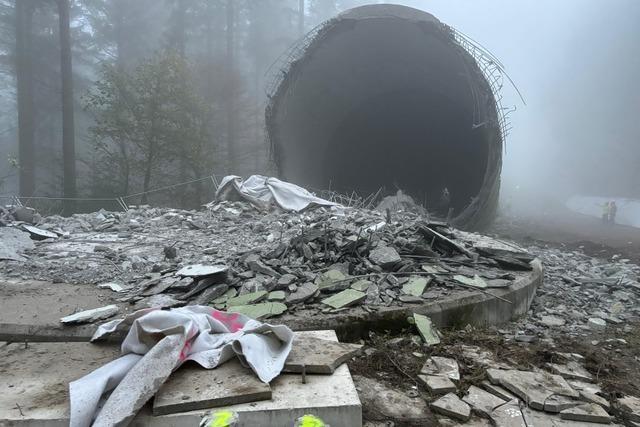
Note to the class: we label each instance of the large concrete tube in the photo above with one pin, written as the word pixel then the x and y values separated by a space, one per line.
pixel 383 96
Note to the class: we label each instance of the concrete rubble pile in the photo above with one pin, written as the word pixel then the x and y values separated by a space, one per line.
pixel 236 258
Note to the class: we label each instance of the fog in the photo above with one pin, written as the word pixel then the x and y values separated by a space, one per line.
pixel 575 62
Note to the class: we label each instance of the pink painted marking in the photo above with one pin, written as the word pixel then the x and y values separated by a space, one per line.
pixel 229 319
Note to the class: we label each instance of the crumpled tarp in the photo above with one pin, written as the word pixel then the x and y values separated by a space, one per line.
pixel 158 342
pixel 264 191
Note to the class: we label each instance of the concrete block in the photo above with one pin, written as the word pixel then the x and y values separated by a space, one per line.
pixel 345 298
pixel 437 384
pixel 451 406
pixel 482 401
pixel 259 311
pixel 588 412
pixel 192 387
pixel 442 366
pixel 508 415
pixel 426 329
pixel 318 356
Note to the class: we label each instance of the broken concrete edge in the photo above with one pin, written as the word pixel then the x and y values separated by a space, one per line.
pixel 472 307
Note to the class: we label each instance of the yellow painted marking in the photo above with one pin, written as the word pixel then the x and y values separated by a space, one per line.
pixel 222 419
pixel 311 421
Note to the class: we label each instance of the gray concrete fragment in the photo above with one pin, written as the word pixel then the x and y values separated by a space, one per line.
pixel 199 270
pixel 416 286
pixel 345 298
pixel 437 384
pixel 451 406
pixel 588 412
pixel 571 371
pixel 380 403
pixel 384 256
pixel 532 387
pixel 13 243
pixel 38 233
pixel 91 315
pixel 557 403
pixel 259 311
pixel 302 293
pixel 597 324
pixel 498 391
pixel 192 387
pixel 630 405
pixel 318 356
pixel 594 398
pixel 508 415
pixel 442 366
pixel 475 281
pixel 426 329
pixel 115 287
pixel 552 321
pixel 482 401
pixel 245 299
pixel 332 281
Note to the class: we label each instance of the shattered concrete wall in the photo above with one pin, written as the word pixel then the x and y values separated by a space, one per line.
pixel 382 96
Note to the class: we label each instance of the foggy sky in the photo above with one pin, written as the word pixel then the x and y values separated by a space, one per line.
pixel 577 63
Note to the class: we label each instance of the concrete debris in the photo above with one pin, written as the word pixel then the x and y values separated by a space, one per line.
pixel 303 293
pixel 557 403
pixel 571 371
pixel 475 281
pixel 597 324
pixel 594 398
pixel 199 270
pixel 482 401
pixel 552 321
pixel 346 298
pixel 38 233
pixel 385 256
pixel 588 412
pixel 509 415
pixel 259 311
pixel 380 403
pixel 532 387
pixel 332 281
pixel 437 384
pixel 115 287
pixel 426 329
pixel 630 406
pixel 91 315
pixel 246 299
pixel 193 387
pixel 451 406
pixel 441 366
pixel 317 356
pixel 13 244
pixel 416 286
pixel 498 391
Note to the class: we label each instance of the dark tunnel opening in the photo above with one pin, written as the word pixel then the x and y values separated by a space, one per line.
pixel 417 141
pixel 382 96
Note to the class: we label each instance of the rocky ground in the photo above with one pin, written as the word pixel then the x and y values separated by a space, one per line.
pixel 582 326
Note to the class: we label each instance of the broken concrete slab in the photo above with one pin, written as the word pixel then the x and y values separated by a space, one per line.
pixel 381 403
pixel 630 406
pixel 451 406
pixel 317 356
pixel 594 398
pixel 571 371
pixel 259 311
pixel 200 270
pixel 482 401
pixel 532 387
pixel 552 321
pixel 276 296
pixel 115 287
pixel 192 387
pixel 498 391
pixel 585 386
pixel 475 281
pixel 245 299
pixel 38 233
pixel 302 293
pixel 426 329
pixel 91 315
pixel 437 384
pixel 332 281
pixel 344 298
pixel 588 412
pixel 557 403
pixel 384 256
pixel 361 285
pixel 442 366
pixel 13 243
pixel 597 324
pixel 508 415
pixel 416 286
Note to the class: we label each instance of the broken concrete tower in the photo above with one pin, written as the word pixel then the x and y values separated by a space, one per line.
pixel 385 96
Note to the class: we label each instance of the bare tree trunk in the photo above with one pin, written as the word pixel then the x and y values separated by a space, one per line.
pixel 230 108
pixel 24 77
pixel 301 18
pixel 68 129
